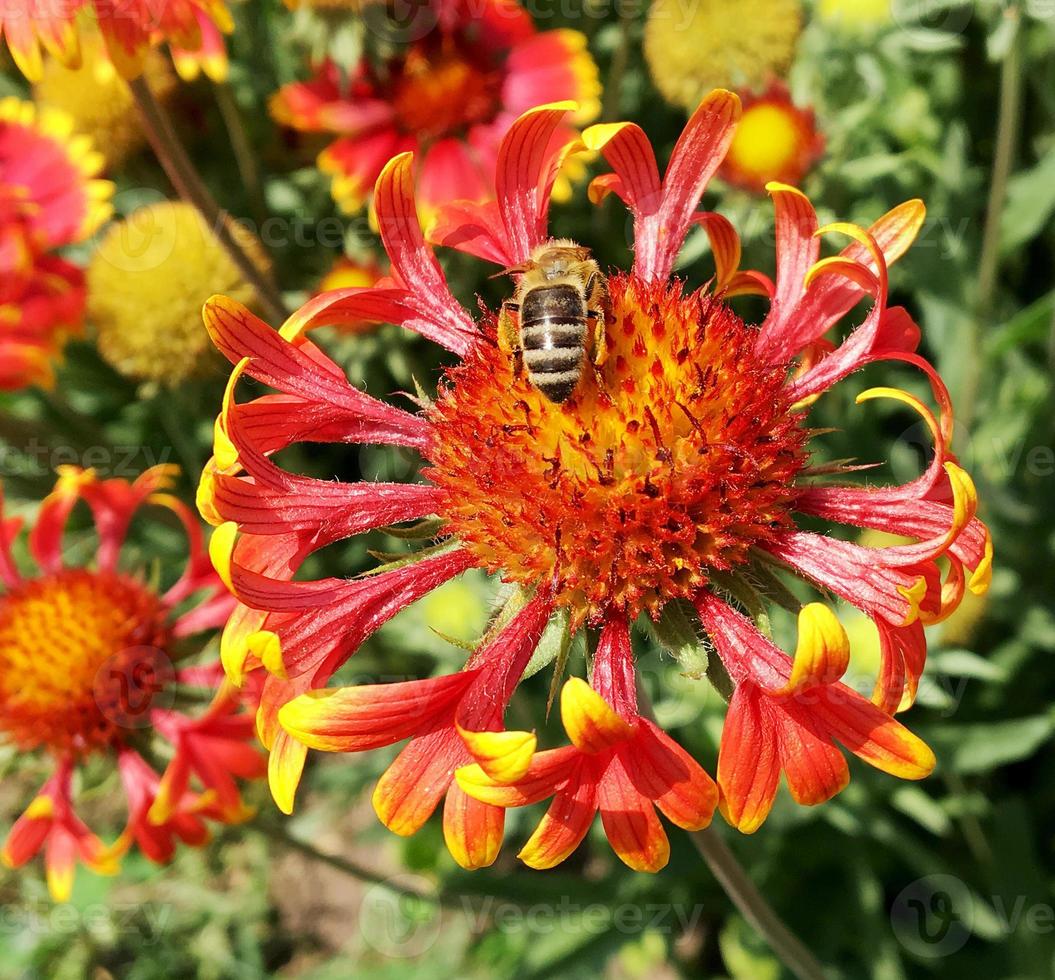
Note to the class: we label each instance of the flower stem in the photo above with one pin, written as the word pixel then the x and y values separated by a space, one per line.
pixel 730 874
pixel 989 262
pixel 613 89
pixel 463 901
pixel 191 188
pixel 242 149
pixel 741 890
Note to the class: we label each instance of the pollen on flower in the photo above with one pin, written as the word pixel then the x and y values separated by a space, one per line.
pixel 73 649
pixel 671 460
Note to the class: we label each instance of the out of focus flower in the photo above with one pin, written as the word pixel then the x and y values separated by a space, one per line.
pixel 672 470
pixel 86 673
pixel 449 96
pixel 98 99
pixel 775 140
pixel 348 273
pixel 354 6
pixel 50 197
pixel 192 28
pixel 39 310
pixel 694 47
pixel 146 283
pixel 853 15
pixel 49 186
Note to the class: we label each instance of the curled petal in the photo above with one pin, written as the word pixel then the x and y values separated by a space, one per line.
pixel 564 826
pixel 353 719
pixel 521 177
pixel 725 246
pixel 545 776
pixel 823 650
pixel 590 723
pixel 504 757
pixel 663 212
pixel 412 260
pixel 472 830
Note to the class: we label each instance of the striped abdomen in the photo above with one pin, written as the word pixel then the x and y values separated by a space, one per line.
pixel 553 338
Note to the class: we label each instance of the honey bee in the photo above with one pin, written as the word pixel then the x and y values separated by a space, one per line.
pixel 559 306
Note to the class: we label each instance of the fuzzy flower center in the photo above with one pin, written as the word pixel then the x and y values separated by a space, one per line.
pixel 768 140
pixel 81 658
pixel 442 93
pixel 672 459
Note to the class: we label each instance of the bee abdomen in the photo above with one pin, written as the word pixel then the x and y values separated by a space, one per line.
pixel 553 337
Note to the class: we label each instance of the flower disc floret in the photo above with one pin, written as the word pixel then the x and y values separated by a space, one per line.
pixel 66 642
pixel 674 457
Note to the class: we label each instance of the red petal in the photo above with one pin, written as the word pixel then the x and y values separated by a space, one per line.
pixel 472 830
pixel 566 822
pixel 419 778
pixel 354 719
pixel 523 170
pixel 668 775
pixel 413 261
pixel 814 768
pixel 748 764
pixel 630 821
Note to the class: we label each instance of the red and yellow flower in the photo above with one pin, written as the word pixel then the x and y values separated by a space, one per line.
pixel 776 140
pixel 193 29
pixel 449 97
pixel 86 672
pixel 674 472
pixel 50 197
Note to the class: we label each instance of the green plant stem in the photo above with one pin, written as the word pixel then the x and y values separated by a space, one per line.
pixel 242 148
pixel 174 422
pixel 445 897
pixel 743 893
pixel 191 188
pixel 280 835
pixel 613 89
pixel 989 262
pixel 730 874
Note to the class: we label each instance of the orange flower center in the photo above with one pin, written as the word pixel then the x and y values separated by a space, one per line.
pixel 775 140
pixel 443 94
pixel 673 458
pixel 81 660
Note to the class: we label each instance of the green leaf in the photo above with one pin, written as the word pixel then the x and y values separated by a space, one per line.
pixel 981 747
pixel 1027 326
pixel 1030 203
pixel 555 643
pixel 964 663
pixel 677 633
pixel 423 530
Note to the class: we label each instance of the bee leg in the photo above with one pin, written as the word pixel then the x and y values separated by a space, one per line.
pixel 508 336
pixel 598 341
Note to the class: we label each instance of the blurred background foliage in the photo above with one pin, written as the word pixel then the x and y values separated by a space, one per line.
pixel 950 102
